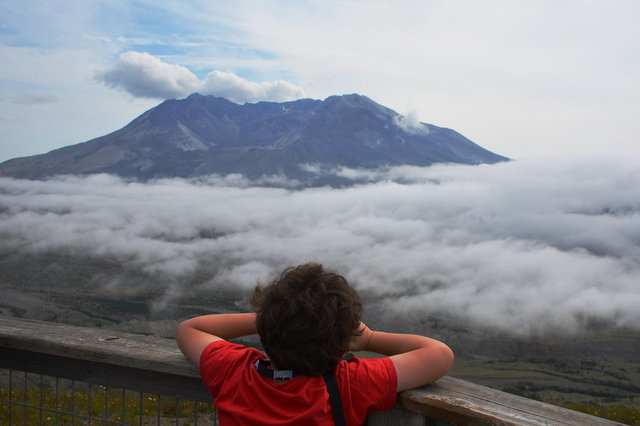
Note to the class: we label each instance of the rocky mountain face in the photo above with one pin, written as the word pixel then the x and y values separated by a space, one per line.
pixel 203 135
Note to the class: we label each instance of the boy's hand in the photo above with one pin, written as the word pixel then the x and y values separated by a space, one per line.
pixel 360 343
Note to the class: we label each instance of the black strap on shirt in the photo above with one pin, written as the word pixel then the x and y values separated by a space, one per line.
pixel 329 379
pixel 334 397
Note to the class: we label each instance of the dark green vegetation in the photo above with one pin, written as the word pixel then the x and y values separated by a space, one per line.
pixel 602 386
pixel 618 413
pixel 563 381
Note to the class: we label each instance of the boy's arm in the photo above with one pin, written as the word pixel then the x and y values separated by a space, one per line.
pixel 195 334
pixel 418 360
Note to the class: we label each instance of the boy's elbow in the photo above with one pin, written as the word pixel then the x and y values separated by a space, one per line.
pixel 181 331
pixel 447 353
pixel 443 361
pixel 423 366
pixel 446 358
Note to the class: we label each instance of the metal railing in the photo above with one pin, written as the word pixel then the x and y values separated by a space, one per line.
pixel 55 374
pixel 36 399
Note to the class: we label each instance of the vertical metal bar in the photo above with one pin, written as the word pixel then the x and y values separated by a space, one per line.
pixel 106 404
pixel 73 402
pixel 141 408
pixel 90 413
pixel 57 400
pixel 10 396
pixel 158 408
pixel 24 390
pixel 124 398
pixel 195 412
pixel 41 397
pixel 177 411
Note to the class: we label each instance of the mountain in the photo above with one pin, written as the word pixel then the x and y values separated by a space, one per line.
pixel 203 135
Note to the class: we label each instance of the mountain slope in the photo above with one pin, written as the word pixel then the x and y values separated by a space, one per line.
pixel 203 135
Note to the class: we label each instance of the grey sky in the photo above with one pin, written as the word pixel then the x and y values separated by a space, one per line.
pixel 524 79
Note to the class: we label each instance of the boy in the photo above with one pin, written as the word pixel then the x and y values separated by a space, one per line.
pixel 307 321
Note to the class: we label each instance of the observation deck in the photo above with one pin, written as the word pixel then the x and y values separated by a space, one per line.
pixel 53 373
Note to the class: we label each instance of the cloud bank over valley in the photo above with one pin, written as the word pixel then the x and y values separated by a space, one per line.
pixel 520 247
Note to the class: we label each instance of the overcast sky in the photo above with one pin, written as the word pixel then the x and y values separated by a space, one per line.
pixel 525 79
pixel 502 246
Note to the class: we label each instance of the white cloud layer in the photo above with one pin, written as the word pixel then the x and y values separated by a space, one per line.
pixel 519 247
pixel 144 75
pixel 240 90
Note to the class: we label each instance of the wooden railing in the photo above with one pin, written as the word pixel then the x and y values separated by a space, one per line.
pixel 155 365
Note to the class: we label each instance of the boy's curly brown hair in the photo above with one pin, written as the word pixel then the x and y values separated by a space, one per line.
pixel 306 318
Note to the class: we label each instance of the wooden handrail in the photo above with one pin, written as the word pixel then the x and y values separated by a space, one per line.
pixel 70 347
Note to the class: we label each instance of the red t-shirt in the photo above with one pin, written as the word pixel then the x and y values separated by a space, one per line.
pixel 243 396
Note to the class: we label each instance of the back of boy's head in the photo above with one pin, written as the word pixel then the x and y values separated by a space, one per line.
pixel 306 318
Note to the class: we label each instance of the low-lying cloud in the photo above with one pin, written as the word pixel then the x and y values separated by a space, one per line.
pixel 519 247
pixel 143 75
